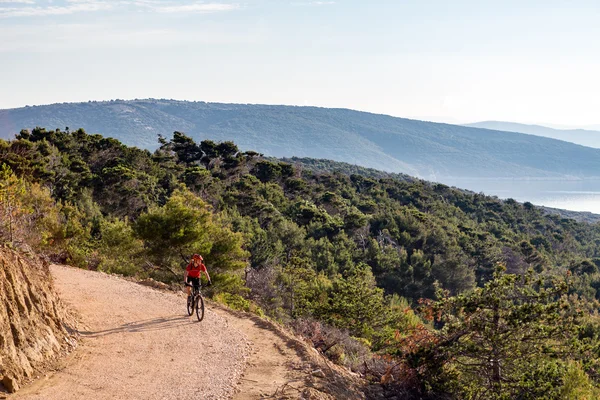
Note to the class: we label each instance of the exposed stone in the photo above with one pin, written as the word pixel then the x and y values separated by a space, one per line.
pixel 10 384
pixel 318 373
pixel 155 284
pixel 32 329
pixel 313 394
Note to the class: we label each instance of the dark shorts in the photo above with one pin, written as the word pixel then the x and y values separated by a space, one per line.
pixel 193 281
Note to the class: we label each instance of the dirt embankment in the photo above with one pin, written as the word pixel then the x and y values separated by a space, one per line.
pixel 32 320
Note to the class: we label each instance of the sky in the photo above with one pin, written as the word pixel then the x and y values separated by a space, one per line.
pixel 452 61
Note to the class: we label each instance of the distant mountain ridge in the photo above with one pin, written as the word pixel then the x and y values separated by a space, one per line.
pixel 424 149
pixel 582 137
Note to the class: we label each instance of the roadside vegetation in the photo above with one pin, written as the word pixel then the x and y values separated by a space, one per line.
pixel 433 291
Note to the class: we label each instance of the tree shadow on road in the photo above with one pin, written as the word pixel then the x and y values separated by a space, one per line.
pixel 147 325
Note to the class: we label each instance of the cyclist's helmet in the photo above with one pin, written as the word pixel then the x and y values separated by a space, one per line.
pixel 197 257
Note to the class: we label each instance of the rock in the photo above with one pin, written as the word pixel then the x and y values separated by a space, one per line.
pixel 375 391
pixel 154 284
pixel 32 319
pixel 10 383
pixel 313 394
pixel 318 373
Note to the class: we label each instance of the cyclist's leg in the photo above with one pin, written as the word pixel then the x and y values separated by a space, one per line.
pixel 188 280
pixel 196 284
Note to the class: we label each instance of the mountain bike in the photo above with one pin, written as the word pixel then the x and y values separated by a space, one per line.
pixel 195 302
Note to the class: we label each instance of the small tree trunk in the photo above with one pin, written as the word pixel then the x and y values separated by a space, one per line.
pixel 10 209
pixel 496 373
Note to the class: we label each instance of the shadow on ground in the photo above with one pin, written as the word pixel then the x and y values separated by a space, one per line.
pixel 147 325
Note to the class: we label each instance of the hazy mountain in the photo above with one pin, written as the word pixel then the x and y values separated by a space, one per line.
pixel 583 137
pixel 424 149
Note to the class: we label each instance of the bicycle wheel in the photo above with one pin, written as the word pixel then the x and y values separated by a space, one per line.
pixel 190 305
pixel 199 307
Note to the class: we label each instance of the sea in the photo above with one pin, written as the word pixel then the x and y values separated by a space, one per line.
pixel 574 195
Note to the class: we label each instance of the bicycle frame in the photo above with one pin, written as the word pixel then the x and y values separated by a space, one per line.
pixel 195 301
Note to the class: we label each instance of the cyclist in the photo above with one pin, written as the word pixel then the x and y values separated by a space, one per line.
pixel 194 271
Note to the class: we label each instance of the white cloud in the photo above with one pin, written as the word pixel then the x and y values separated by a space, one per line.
pixel 314 3
pixel 17 1
pixel 195 8
pixel 53 38
pixel 74 6
pixel 31 8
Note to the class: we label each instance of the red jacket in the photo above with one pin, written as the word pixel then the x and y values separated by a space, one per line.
pixel 194 271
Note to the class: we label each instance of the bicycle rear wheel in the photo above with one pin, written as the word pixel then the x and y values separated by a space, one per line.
pixel 200 308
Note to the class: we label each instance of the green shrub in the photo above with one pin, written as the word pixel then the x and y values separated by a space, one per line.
pixel 237 302
pixel 119 250
pixel 577 384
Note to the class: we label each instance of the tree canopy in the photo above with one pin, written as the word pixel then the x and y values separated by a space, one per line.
pixel 358 252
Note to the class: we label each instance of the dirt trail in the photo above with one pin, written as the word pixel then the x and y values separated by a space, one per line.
pixel 138 344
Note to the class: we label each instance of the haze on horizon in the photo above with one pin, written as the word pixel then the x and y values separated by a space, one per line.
pixel 460 62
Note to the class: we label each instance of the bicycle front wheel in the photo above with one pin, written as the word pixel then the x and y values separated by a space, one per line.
pixel 190 305
pixel 200 308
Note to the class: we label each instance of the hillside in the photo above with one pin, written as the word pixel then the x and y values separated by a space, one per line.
pixel 424 149
pixel 582 137
pixel 328 166
pixel 354 264
pixel 456 235
pixel 33 330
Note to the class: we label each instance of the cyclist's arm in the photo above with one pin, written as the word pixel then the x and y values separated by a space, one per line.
pixel 206 273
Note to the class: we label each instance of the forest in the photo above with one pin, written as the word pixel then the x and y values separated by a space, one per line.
pixel 432 291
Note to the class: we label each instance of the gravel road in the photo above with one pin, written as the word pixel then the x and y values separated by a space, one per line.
pixel 138 343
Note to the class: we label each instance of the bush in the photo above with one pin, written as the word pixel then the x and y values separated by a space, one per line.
pixel 28 214
pixel 577 384
pixel 237 302
pixel 334 343
pixel 119 249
